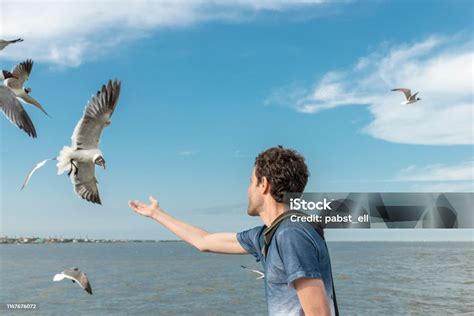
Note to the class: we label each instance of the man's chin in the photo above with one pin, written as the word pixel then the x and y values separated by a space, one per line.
pixel 252 212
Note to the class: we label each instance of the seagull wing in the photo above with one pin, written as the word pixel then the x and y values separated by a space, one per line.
pixel 260 273
pixel 96 117
pixel 406 92
pixel 15 112
pixel 85 183
pixel 22 71
pixel 15 40
pixel 29 99
pixel 4 43
pixel 38 165
pixel 79 277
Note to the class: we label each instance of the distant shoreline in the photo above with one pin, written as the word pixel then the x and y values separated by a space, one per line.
pixel 40 241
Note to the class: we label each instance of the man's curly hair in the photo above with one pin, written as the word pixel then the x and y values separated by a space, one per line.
pixel 285 170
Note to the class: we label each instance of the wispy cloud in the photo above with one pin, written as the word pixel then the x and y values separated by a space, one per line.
pixel 224 209
pixel 438 67
pixel 460 172
pixel 464 186
pixel 440 178
pixel 67 32
pixel 431 178
pixel 188 153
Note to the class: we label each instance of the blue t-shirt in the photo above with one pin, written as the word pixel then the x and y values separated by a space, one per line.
pixel 296 251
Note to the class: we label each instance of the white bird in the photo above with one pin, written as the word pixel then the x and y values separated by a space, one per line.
pixel 409 98
pixel 22 72
pixel 4 43
pixel 81 158
pixel 75 275
pixel 260 273
pixel 14 111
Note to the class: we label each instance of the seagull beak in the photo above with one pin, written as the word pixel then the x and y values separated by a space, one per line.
pixel 14 76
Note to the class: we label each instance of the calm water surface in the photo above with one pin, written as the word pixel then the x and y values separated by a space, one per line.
pixel 371 278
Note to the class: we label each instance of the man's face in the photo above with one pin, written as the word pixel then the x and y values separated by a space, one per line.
pixel 255 195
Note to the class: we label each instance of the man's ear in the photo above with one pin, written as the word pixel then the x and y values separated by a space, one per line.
pixel 265 185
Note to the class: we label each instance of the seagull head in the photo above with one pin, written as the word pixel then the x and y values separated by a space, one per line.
pixel 6 74
pixel 418 99
pixel 100 161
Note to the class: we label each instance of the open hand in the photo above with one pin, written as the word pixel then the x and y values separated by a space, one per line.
pixel 146 210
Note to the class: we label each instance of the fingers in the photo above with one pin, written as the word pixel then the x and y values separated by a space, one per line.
pixel 136 205
pixel 152 200
pixel 139 204
pixel 133 206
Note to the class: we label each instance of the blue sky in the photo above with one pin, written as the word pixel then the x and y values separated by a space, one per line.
pixel 206 87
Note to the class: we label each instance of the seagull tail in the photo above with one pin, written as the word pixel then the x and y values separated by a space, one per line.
pixel 58 277
pixel 64 159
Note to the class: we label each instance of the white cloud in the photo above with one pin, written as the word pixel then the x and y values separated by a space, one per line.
pixel 67 32
pixel 431 178
pixel 440 178
pixel 460 172
pixel 440 68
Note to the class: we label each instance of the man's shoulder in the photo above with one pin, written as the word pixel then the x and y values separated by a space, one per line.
pixel 291 223
pixel 298 242
pixel 251 240
pixel 257 230
pixel 253 234
pixel 297 229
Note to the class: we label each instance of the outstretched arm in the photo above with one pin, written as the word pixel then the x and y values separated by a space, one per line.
pixel 195 236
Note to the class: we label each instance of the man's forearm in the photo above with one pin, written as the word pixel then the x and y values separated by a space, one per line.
pixel 191 234
pixel 199 238
pixel 195 236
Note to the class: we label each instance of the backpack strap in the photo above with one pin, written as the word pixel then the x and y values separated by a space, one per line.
pixel 270 231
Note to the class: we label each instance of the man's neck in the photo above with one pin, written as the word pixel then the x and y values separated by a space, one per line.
pixel 271 211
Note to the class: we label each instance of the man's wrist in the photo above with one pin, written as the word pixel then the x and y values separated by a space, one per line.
pixel 156 214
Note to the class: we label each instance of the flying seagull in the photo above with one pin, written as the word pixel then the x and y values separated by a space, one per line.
pixel 5 74
pixel 4 43
pixel 22 72
pixel 260 273
pixel 75 275
pixel 80 159
pixel 409 98
pixel 12 108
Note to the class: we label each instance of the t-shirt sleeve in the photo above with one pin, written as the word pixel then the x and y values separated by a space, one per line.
pixel 249 240
pixel 299 254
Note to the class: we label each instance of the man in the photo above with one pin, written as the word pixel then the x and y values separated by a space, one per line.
pixel 297 266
